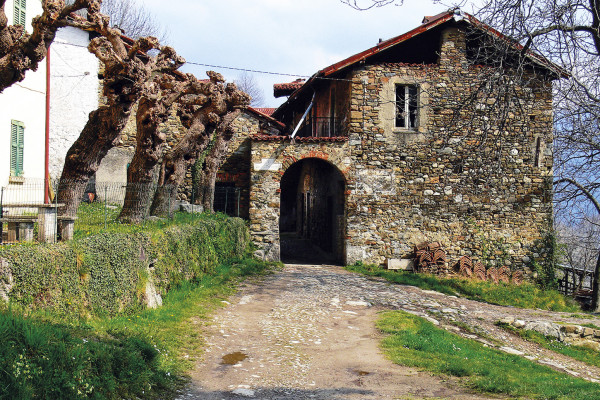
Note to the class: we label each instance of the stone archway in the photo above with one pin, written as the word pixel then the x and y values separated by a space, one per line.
pixel 312 213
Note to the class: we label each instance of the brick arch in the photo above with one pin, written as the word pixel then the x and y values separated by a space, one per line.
pixel 289 160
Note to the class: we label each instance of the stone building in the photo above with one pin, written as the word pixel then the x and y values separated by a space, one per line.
pixel 374 159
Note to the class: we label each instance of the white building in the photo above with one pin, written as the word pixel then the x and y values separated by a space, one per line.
pixel 73 84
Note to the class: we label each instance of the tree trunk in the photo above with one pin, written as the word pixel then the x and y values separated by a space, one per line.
pixel 149 150
pixel 83 158
pixel 174 167
pixel 596 283
pixel 185 154
pixel 211 166
pixel 596 287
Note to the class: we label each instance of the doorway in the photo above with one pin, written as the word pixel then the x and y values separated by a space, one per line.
pixel 312 213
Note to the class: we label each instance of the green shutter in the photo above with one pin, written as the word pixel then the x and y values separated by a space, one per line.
pixel 20 15
pixel 17 136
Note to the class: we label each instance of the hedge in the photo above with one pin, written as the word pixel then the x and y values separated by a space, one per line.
pixel 107 273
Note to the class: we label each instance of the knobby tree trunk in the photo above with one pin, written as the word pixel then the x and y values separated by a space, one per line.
pixel 128 75
pixel 175 165
pixel 83 158
pixel 212 109
pixel 150 146
pixel 153 111
pixel 212 162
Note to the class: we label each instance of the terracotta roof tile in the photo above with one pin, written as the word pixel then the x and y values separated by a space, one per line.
pixel 267 111
pixel 285 89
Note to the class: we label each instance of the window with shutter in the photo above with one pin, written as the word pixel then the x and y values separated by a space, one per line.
pixel 17 136
pixel 19 15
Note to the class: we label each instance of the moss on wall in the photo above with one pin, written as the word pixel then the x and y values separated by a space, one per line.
pixel 109 272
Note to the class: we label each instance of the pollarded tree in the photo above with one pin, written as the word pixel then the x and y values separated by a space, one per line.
pixel 208 111
pixel 21 51
pixel 210 167
pixel 154 109
pixel 568 33
pixel 128 75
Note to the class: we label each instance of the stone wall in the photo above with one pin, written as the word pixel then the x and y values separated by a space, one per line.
pixel 448 185
pixel 271 157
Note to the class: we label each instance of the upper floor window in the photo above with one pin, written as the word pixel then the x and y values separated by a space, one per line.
pixel 17 136
pixel 407 106
pixel 19 12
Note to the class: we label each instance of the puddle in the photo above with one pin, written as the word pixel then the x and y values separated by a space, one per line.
pixel 234 358
pixel 360 373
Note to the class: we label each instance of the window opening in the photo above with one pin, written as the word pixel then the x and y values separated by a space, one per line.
pixel 538 147
pixel 406 106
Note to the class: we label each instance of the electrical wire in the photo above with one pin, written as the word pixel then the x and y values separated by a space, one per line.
pixel 244 69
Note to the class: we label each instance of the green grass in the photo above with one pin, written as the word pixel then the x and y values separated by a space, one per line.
pixel 582 354
pixel 523 296
pixel 142 355
pixel 415 342
pixel 91 218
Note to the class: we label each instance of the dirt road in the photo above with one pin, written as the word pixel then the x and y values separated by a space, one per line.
pixel 308 332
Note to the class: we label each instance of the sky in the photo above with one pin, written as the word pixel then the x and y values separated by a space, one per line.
pixel 297 37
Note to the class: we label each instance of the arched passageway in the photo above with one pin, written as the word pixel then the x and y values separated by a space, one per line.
pixel 312 214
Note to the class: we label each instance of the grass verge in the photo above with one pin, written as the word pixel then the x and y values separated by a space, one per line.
pixel 141 355
pixel 582 354
pixel 415 342
pixel 523 296
pixel 95 218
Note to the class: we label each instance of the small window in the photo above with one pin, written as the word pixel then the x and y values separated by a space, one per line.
pixel 407 106
pixel 17 134
pixel 19 14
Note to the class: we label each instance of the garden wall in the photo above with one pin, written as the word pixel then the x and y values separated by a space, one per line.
pixel 111 272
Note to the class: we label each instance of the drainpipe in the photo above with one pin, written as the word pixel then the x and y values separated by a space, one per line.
pixel 47 142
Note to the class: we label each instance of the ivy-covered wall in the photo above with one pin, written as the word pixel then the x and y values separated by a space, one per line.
pixel 116 272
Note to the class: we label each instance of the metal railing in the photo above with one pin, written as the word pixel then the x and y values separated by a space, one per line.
pixel 22 204
pixel 322 127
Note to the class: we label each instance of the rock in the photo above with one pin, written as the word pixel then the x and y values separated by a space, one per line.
pixel 571 329
pixel 587 332
pixel 151 296
pixel 449 311
pixel 402 264
pixel 588 344
pixel 507 320
pixel 433 321
pixel 358 303
pixel 545 328
pixel 510 350
pixel 191 208
pixel 6 280
pixel 243 392
pixel 519 323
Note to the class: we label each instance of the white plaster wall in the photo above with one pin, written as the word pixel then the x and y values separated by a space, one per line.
pixel 73 92
pixel 24 101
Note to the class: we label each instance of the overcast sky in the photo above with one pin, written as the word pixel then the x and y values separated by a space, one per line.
pixel 283 36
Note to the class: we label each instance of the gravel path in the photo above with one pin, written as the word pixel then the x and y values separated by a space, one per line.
pixel 308 332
